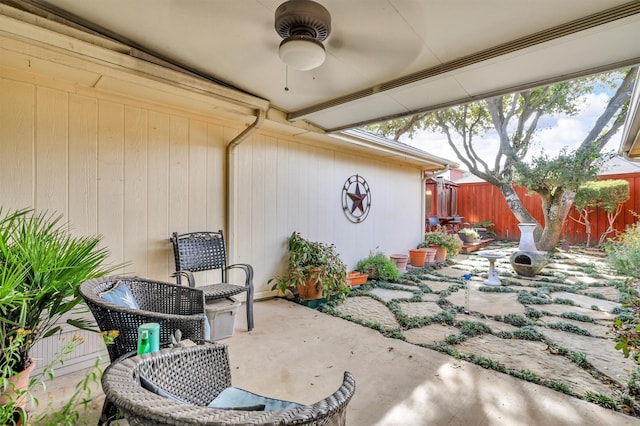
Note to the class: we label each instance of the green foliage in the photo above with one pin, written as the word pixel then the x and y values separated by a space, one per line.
pixel 601 399
pixel 385 268
pixel 626 331
pixel 561 301
pixel 532 313
pixel 559 386
pixel 444 317
pixel 528 333
pixel 532 298
pixel 579 358
pixel 473 328
pixel 566 171
pixel 623 251
pixel 633 383
pixel 513 319
pixel 498 289
pixel 316 262
pixel 469 231
pixel 440 237
pixel 454 339
pixel 527 375
pixel 487 363
pixel 576 316
pixel 606 194
pixel 42 265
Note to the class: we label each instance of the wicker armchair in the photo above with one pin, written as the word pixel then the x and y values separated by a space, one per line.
pixel 172 306
pixel 205 251
pixel 197 375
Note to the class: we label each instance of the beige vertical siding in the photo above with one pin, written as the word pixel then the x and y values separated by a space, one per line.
pixel 120 169
pixel 286 186
pixel 135 172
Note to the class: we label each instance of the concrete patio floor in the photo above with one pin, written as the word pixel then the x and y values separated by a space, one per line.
pixel 299 354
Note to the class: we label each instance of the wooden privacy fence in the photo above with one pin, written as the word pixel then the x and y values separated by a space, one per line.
pixel 479 202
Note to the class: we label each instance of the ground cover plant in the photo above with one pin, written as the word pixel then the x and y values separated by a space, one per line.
pixel 529 316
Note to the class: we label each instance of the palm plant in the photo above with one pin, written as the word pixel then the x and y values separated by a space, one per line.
pixel 41 267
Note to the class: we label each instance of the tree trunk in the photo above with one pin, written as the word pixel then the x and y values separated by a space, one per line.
pixel 555 209
pixel 516 207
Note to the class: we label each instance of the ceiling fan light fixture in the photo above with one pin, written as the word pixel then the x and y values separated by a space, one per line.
pixel 304 25
pixel 302 53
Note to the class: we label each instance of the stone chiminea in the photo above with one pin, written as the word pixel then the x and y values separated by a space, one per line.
pixel 527 261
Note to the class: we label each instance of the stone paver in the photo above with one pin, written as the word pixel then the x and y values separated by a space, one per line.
pixel 533 356
pixel 420 309
pixel 606 366
pixel 611 293
pixel 387 295
pixel 488 303
pixel 557 309
pixel 586 301
pixel 430 334
pixel 438 286
pixel 430 297
pixel 367 309
pixel 596 329
pixel 600 352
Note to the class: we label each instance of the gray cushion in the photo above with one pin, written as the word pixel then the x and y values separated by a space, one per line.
pixel 234 398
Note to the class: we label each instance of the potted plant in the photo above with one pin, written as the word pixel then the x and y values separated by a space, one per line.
pixel 448 244
pixel 468 235
pixel 484 228
pixel 381 266
pixel 41 267
pixel 314 269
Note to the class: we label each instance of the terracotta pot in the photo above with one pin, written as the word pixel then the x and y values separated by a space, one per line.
pixel 18 386
pixel 372 273
pixel 310 290
pixel 400 260
pixel 418 257
pixel 357 278
pixel 431 255
pixel 441 254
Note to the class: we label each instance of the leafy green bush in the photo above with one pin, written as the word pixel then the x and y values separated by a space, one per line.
pixel 385 268
pixel 623 251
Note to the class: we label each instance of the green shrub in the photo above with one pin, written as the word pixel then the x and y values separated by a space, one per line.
pixel 385 268
pixel 623 251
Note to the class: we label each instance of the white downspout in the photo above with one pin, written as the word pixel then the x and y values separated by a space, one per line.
pixel 232 179
pixel 424 195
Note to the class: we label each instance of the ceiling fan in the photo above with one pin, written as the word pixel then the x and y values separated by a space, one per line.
pixel 304 25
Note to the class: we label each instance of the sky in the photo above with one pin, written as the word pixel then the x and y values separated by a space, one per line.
pixel 553 134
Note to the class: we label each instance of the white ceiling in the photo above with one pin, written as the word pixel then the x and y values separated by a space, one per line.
pixel 403 56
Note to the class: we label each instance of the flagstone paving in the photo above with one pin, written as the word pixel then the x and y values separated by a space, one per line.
pixel 552 329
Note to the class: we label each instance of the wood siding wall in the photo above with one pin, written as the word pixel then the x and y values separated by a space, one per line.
pixel 482 201
pixel 135 172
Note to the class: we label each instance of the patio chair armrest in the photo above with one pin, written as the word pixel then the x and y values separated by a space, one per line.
pixel 248 270
pixel 191 280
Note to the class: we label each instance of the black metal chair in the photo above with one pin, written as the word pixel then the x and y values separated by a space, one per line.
pixel 173 306
pixel 190 378
pixel 206 251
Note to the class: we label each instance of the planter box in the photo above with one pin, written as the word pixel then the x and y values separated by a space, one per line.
pixel 356 278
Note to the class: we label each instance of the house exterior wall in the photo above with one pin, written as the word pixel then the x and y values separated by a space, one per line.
pixel 135 172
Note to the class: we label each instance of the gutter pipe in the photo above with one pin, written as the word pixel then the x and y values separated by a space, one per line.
pixel 232 178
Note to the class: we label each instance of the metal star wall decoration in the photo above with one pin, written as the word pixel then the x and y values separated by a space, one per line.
pixel 356 198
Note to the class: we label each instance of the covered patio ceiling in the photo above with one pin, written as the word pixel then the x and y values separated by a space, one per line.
pixel 385 58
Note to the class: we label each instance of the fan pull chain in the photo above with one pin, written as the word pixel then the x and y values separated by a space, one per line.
pixel 286 78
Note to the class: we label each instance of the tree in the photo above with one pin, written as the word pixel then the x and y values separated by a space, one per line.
pixel 609 195
pixel 515 119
